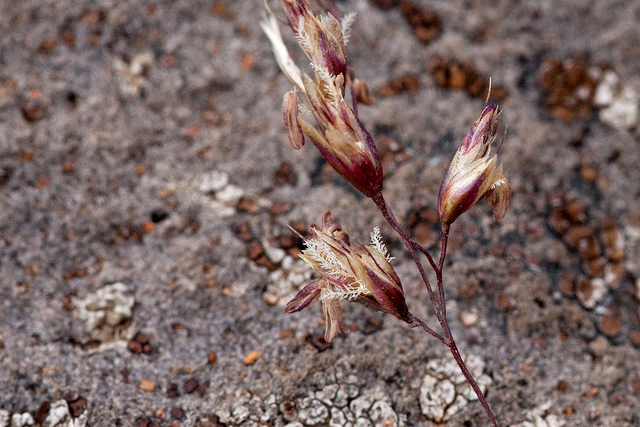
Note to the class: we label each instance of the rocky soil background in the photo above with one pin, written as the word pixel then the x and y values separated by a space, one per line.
pixel 146 185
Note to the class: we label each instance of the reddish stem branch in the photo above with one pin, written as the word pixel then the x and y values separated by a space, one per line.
pixel 391 219
pixel 414 321
pixel 443 253
pixel 440 304
pixel 472 381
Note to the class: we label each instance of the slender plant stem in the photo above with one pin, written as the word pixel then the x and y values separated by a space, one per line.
pixel 415 321
pixel 391 219
pixel 443 254
pixel 405 236
pixel 474 385
pixel 439 304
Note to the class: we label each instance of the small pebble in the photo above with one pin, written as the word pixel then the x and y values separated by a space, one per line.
pixel 147 385
pixel 609 325
pixel 252 357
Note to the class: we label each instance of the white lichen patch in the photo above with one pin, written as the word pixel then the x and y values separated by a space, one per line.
pixel 540 417
pixel 315 413
pixel 130 75
pixel 619 102
pixel 21 420
pixel 225 195
pixel 336 401
pixel 59 416
pixel 211 181
pixel 103 311
pixel 445 391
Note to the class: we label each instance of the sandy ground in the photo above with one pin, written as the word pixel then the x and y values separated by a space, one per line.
pixel 142 143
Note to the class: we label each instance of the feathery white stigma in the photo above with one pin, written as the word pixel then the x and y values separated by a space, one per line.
pixel 378 244
pixel 321 252
pixel 352 293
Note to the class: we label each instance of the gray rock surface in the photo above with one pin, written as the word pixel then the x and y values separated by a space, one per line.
pixel 142 142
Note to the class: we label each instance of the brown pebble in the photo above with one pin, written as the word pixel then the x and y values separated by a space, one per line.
pixel 264 261
pixel 595 267
pixel 146 422
pixel 252 357
pixel 589 248
pixel 191 385
pixel 567 287
pixel 255 250
pixel 244 232
pixel 588 173
pixel 591 392
pixel 562 386
pixel 212 357
pixel 426 24
pixel 558 222
pixel 288 241
pixel 218 8
pixel 615 399
pixel 210 421
pixel 43 411
pixel 576 234
pixel 77 405
pixel 33 112
pixel 172 391
pixel 568 87
pixel 505 303
pixel 140 343
pixel 68 167
pixel 609 237
pixel 279 208
pixel 202 389
pixel 178 326
pixel 48 45
pixel 406 83
pixel 177 413
pixel 245 204
pixel 285 175
pixel 373 325
pixel 634 336
pixel 634 385
pixel 287 334
pixel 147 385
pixel 294 252
pixel 609 325
pixel 575 210
pixel 247 61
pixel 318 341
pixel 450 74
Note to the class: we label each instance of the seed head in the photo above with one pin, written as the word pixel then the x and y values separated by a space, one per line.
pixel 473 173
pixel 334 127
pixel 360 273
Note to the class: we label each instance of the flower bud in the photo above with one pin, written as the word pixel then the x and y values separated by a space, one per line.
pixel 290 114
pixel 321 38
pixel 472 173
pixel 357 273
pixel 343 141
pixel 334 129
